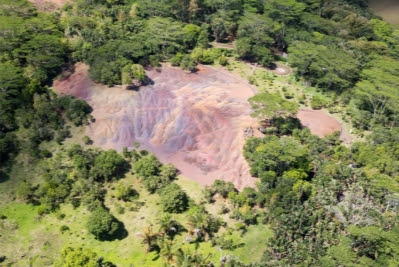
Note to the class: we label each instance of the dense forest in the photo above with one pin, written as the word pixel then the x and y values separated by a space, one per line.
pixel 324 202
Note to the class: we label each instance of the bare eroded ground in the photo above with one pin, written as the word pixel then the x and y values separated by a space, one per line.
pixel 388 9
pixel 322 124
pixel 49 5
pixel 195 121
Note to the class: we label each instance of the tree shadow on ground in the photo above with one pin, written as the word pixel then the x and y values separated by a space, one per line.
pixel 4 177
pixel 146 82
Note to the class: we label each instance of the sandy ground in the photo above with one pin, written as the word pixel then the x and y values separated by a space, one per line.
pixel 322 124
pixel 49 5
pixel 194 120
pixel 388 9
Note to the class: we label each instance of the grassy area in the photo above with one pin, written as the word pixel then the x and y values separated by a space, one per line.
pixel 254 239
pixel 30 239
pixel 295 90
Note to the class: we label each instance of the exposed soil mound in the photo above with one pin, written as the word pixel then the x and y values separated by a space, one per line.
pixel 49 5
pixel 195 121
pixel 322 124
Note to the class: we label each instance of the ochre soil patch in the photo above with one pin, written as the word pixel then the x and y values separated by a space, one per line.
pixel 194 120
pixel 322 124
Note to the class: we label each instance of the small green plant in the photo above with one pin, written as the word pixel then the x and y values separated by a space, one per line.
pixel 318 102
pixel 223 61
pixel 64 228
pixel 252 79
pixel 120 209
pixel 87 140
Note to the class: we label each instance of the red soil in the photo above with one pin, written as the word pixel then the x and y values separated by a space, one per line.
pixel 322 124
pixel 195 121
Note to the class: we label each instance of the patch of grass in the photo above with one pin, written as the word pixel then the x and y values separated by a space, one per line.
pixel 254 240
pixel 191 187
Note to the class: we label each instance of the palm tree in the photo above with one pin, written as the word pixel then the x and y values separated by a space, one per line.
pixel 167 224
pixel 199 224
pixel 167 250
pixel 149 237
pixel 187 258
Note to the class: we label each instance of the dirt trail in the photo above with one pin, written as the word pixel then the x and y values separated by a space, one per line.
pixel 195 121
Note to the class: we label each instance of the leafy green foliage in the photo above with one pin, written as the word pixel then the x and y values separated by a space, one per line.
pixel 254 38
pixel 222 188
pixel 271 105
pixel 108 165
pixel 377 91
pixel 173 199
pixel 324 66
pixel 77 257
pixel 276 155
pixel 124 191
pixel 147 166
pixel 102 224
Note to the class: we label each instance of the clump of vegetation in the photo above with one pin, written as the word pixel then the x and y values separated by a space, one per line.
pixel 125 192
pixel 317 102
pixel 103 225
pixel 173 199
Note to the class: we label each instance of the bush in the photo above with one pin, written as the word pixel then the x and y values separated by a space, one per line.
pixel 155 183
pixel 223 188
pixel 223 61
pixel 107 165
pixel 205 56
pixel 177 59
pixel 188 63
pixel 80 257
pixel 147 166
pixel 87 140
pixel 168 171
pixel 102 224
pixel 174 199
pixel 76 110
pixel 317 102
pixel 125 192
pixel 138 72
pixel 64 228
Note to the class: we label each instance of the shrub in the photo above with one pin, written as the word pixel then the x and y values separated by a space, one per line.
pixel 147 166
pixel 317 102
pixel 177 59
pixel 87 140
pixel 107 165
pixel 64 228
pixel 102 224
pixel 174 199
pixel 223 188
pixel 124 191
pixel 223 61
pixel 155 183
pixel 188 63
